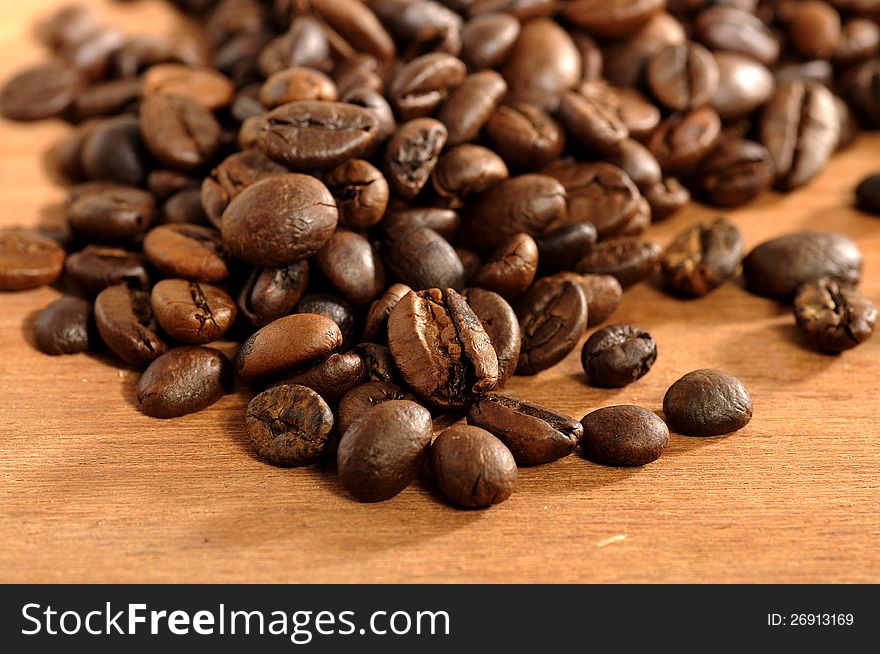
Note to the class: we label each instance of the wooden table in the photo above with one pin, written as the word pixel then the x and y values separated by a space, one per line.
pixel 93 491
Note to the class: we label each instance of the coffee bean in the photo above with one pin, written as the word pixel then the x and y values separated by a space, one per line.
pixel 859 41
pixel 470 105
pixel 524 135
pixel 357 24
pixel 191 312
pixel 196 83
pixel 623 435
pixel 331 378
pixel 868 194
pixel 591 119
pixel 374 103
pixel 814 29
pixel 189 251
pixel 94 268
pixel 289 425
pixel 382 451
pixel 610 20
pixel 628 259
pixel 376 323
pixel 163 183
pixel 352 265
pixel 127 325
pixel 533 433
pixel 357 401
pixel 552 317
pixel 411 155
pixel 562 248
pixel 626 58
pixel 112 149
pixel 637 162
pixel 425 25
pixel 361 193
pixel 682 141
pixel 501 324
pixel 591 56
pixel 272 293
pixel 467 170
pixel 736 172
pixel 833 318
pixel 666 198
pixel 702 257
pixel 859 87
pixel 604 294
pixel 421 258
pixel 279 220
pixel 445 222
pixel 707 403
pixel 311 134
pixel 618 355
pixel 778 267
pixel 743 85
pixel 422 84
pixel 287 343
pixel 471 467
pixel 178 131
pixel 63 327
pixel 683 77
pixel 183 208
pixel 111 212
pixel 28 260
pixel 638 115
pixel 40 92
pixel 510 268
pixel 487 39
pixel 378 362
pixel 184 380
pixel 107 98
pixel 730 29
pixel 304 44
pixel 231 177
pixel 292 84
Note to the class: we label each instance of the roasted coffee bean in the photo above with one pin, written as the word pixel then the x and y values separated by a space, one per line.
pixel 683 77
pixel 279 220
pixel 778 267
pixel 272 293
pixel 352 265
pixel 552 317
pixel 730 29
pixel 814 29
pixel 591 56
pixel 178 131
pixel 487 39
pixel 441 349
pixel 289 425
pixel 304 44
pixel 111 212
pixel 833 318
pixel 743 85
pixel 183 208
pixel 231 177
pixel 411 154
pixel 311 134
pixel 331 378
pixel 470 105
pixel 466 170
pixel 682 141
pixel 164 183
pixel 361 193
pixel 859 41
pixel 707 403
pixel 509 269
pixel 334 308
pixel 127 325
pixel 501 324
pixel 471 467
pixel 625 59
pixel 361 399
pixel 623 435
pixel 702 257
pixel 533 433
pixel 736 172
pixel 618 355
pixel 292 84
pixel 43 91
pixel 423 83
pixel 425 25
pixel 800 128
pixel 191 312
pixel 533 204
pixel 604 294
pixel 199 84
pixel 357 24
pixel 421 258
pixel 638 114
pixel 637 162
pixel 666 198
pixel 184 380
pixel 188 251
pixel 381 453
pixel 591 119
pixel 28 260
pixel 63 327
pixel 638 221
pixel 107 98
pixel 94 268
pixel 524 135
pixel 868 194
pixel 113 150
pixel 378 362
pixel 562 248
pixel 376 105
pixel 376 323
pixel 860 89
pixel 628 259
pixel 610 20
pixel 286 344
pixel 445 222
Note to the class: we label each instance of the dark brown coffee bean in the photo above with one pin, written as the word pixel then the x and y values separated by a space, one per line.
pixel 188 251
pixel 618 355
pixel 471 467
pixel 470 105
pixel 445 222
pixel 509 269
pixel 411 155
pixel 502 326
pixel 127 325
pixel 107 98
pixel 361 193
pixel 183 208
pixel 231 177
pixel 524 135
pixel 868 194
pixel 833 318
pixel 638 115
pixel 423 24
pixel 112 149
pixel 421 258
pixel 731 29
pixel 311 134
pixel 591 119
pixel 40 92
pixel 533 204
pixel 165 183
pixel 637 162
pixel 466 170
pixel 666 198
pixel 707 403
pixel 378 362
pixel 357 24
pixel 331 378
pixel 382 451
pixel 28 260
pixel 191 312
pixel 184 380
pixel 287 343
pixel 361 399
pixel 682 141
pixel 628 259
pixel 289 425
pixel 352 265
pixel 562 248
pixel 279 220
pixel 487 39
pixel 292 84
pixel 63 327
pixel 736 172
pixel 198 84
pixel 743 85
pixel 623 435
pixel 423 83
pixel 272 293
pixel 860 86
pixel 178 131
pixel 378 106
pixel 304 44
pixel 859 41
pixel 814 29
pixel 800 127
pixel 334 308
pixel 533 433
pixel 94 268
pixel 111 212
pixel 638 222
pixel 376 323
pixel 702 257
pixel 441 349
pixel 778 267
pixel 610 19
pixel 625 59
pixel 603 293
pixel 552 318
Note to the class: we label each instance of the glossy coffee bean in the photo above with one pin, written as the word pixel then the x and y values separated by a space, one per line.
pixel 618 355
pixel 682 141
pixel 638 114
pixel 445 222
pixel 179 132
pixel 411 154
pixel 112 149
pixel 604 294
pixel 337 310
pixel 40 92
pixel 466 170
pixel 292 84
pixel 63 327
pixel 361 193
pixel 562 248
pixel 744 85
pixel 376 104
pixel 524 135
pixel 487 39
pixel 628 259
pixel 736 172
pixel 470 105
pixel 332 377
pixel 702 257
pixel 272 293
pixel 637 162
pixel 28 260
pixel 730 29
pixel 859 87
pixel 191 312
pixel 471 467
pixel 707 403
pixel 184 380
pixel 623 435
pixel 304 44
pixel 289 425
pixel 199 84
pixel 814 29
pixel 552 318
pixel 421 258
pixel 376 322
pixel 509 269
pixel 833 318
pixel 379 363
pixel 187 251
pixel 127 324
pixel 683 77
pixel 591 120
pixel 859 41
pixel 666 198
pixel 164 183
pixel 534 434
pixel 381 453
pixel 626 58
pixel 352 265
pixel 868 194
pixel 360 399
pixel 778 267
pixel 107 98
pixel 111 212
pixel 183 208
pixel 501 324
pixel 231 177
pixel 611 19
pixel 95 267
pixel 420 85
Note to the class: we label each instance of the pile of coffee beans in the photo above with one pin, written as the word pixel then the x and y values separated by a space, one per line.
pixel 395 205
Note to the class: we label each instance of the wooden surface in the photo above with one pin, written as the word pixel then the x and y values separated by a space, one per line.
pixel 93 491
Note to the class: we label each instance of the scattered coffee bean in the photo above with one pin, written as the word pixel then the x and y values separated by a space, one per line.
pixel 40 92
pixel 352 265
pixel 629 260
pixel 524 135
pixel 95 267
pixel 184 380
pixel 127 324
pixel 188 251
pixel 272 293
pixel 28 260
pixel 562 248
pixel 509 269
pixel 683 77
pixel 231 177
pixel 334 308
pixel 376 322
pixel 360 399
pixel 361 193
pixel 868 194
pixel 411 154
pixel 501 324
pixel 63 327
pixel 833 318
pixel 469 106
pixel 618 355
pixel 197 83
pixel 179 132
pixel 702 257
pixel 331 378
pixel 707 403
pixel 466 170
pixel 623 435
pixel 421 258
pixel 191 312
pixel 736 172
pixel 111 212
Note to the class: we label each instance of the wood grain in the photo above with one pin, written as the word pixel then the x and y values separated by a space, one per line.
pixel 92 491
